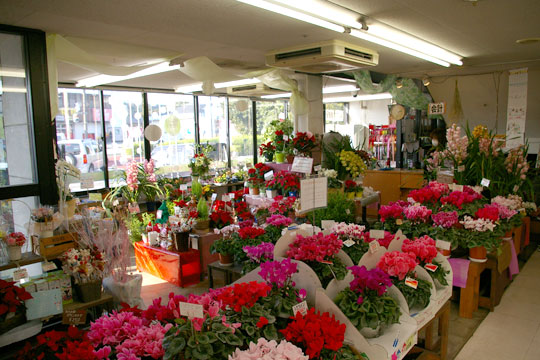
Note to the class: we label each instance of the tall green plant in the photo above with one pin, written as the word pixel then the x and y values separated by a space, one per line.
pixel 202 209
pixel 339 209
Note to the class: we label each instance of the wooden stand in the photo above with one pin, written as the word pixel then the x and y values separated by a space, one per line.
pixel 436 350
pixel 229 271
pixel 202 242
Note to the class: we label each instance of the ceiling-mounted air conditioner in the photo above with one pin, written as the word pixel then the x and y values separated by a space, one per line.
pixel 323 57
pixel 253 90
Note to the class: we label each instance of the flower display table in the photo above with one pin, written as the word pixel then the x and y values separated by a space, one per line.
pixel 202 242
pixel 178 268
pixel 443 318
pixel 229 271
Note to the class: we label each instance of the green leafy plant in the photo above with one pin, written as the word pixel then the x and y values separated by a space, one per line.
pixel 327 272
pixel 357 250
pixel 202 209
pixel 439 274
pixel 250 318
pixel 339 209
pixel 224 246
pixel 148 217
pixel 416 298
pixel 135 227
pixel 196 189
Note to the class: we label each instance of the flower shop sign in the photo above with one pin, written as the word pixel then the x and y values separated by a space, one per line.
pixel 74 317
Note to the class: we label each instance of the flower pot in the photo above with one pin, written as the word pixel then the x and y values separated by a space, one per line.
pixel 89 291
pixel 280 157
pixel 290 159
pixel 478 254
pixel 508 234
pixel 128 292
pixel 253 191
pixel 445 253
pixel 202 224
pixel 226 259
pixel 268 157
pixel 370 333
pixel 350 195
pixel 181 241
pixel 14 252
pixel 271 194
pixel 359 194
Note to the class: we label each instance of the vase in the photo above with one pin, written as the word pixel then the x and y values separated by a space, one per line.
pixel 370 333
pixel 14 252
pixel 271 193
pixel 290 159
pixel 181 241
pixel 89 291
pixel 280 157
pixel 268 157
pixel 202 224
pixel 350 195
pixel 253 191
pixel 478 254
pixel 225 259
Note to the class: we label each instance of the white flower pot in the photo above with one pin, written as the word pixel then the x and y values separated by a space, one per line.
pixel 14 252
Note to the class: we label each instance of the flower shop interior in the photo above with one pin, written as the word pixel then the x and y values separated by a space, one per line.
pixel 270 179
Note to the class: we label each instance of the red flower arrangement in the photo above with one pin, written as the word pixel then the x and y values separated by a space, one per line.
pixel 282 205
pixel 350 186
pixel 394 210
pixel 180 203
pixel 423 248
pixel 315 332
pixel 397 264
pixel 242 210
pixel 250 232
pixel 459 198
pixel 286 182
pixel 318 247
pixel 244 294
pixel 220 218
pixel 489 212
pixel 304 142
pixel 11 298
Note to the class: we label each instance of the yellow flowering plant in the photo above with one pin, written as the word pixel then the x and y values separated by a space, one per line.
pixel 353 163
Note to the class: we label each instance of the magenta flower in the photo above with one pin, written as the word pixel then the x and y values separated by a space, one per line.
pixel 278 220
pixel 278 273
pixel 445 219
pixel 259 253
pixel 365 280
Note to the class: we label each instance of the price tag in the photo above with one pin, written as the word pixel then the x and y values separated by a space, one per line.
pixel 376 234
pixel 516 188
pixel 48 266
pixel 301 308
pixel 286 137
pixel 20 274
pixel 214 197
pixel 326 262
pixel 461 168
pixel 269 175
pixel 158 214
pixel 348 212
pixel 410 282
pixel 349 243
pixel 183 187
pixel 399 222
pixel 317 168
pixel 87 183
pixel 95 197
pixel 431 267
pixel 74 317
pixel 485 182
pixel 443 245
pixel 225 198
pixel 231 195
pixel 191 310
pixel 327 224
pixel 374 246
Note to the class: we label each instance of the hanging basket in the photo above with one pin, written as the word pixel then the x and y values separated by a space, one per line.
pixel 89 291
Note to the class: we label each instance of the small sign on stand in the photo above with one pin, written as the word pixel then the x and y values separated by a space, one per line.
pixel 74 317
pixel 302 165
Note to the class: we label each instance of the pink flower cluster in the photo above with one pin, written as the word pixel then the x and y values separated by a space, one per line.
pixel 513 202
pixel 459 198
pixel 504 212
pixel 131 176
pixel 149 170
pixel 15 239
pixel 398 264
pixel 516 163
pixel 269 350
pixel 314 248
pixel 394 210
pixel 489 146
pixel 278 220
pixel 146 343
pixel 439 187
pixel 349 230
pixel 385 242
pixel 480 225
pixel 364 280
pixel 456 147
pixel 435 160
pixel 417 213
pixel 423 248
pixel 278 272
pixel 264 251
pixel 445 219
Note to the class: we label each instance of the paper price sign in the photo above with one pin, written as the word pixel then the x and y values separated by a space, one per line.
pixel 159 213
pixel 317 168
pixel 410 282
pixel 183 187
pixel 327 224
pixel 74 317
pixel 286 137
pixel 376 234
pixel 461 168
pixel 214 197
pixel 348 212
pixel 87 183
pixel 431 267
pixel 269 175
pixel 191 310
pixel 302 165
pixel 225 198
pixel 399 222
pixel 20 274
pixel 349 243
pixel 231 195
pixel 48 266
pixel 443 245
pixel 485 182
pixel 301 308
pixel 374 246
pixel 326 262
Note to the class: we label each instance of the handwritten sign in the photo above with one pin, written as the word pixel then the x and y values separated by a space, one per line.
pixel 349 243
pixel 191 310
pixel 443 245
pixel 48 266
pixel 214 197
pixel 20 274
pixel 269 175
pixel 74 317
pixel 301 308
pixel 302 165
pixel 327 224
pixel 225 198
pixel 461 168
pixel 437 108
pixel 87 182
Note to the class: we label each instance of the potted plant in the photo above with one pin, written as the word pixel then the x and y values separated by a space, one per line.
pixel 203 220
pixel 354 241
pixel 180 232
pixel 279 132
pixel 479 235
pixel 353 163
pixel 43 221
pixel 267 150
pixel 225 248
pixel 148 184
pixel 14 242
pixel 275 224
pixel 288 183
pixel 366 303
pixel 425 251
pixel 445 227
pixel 12 308
pixel 220 216
pixel 257 254
pixel 400 266
pixel 271 191
pixel 86 267
pixel 319 252
pixel 200 162
pixel 350 189
pixel 270 350
pixel 304 143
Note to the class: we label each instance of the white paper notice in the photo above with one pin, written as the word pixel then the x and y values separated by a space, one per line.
pixel 87 182
pixel 313 193
pixel 191 310
pixel 317 168
pixel 225 198
pixel 214 197
pixel 485 182
pixel 302 165
pixel 183 187
pixel 269 175
pixel 443 245
pixel 376 234
pixel 302 308
pixel 516 108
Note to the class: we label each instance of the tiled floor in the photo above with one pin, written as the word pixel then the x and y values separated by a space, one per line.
pixel 512 331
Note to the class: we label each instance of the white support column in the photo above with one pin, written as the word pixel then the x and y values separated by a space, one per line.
pixel 313 121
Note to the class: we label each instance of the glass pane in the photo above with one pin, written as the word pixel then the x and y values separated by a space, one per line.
pixel 79 134
pixel 17 165
pixel 213 128
pixel 14 216
pixel 124 126
pixel 241 127
pixel 174 115
pixel 266 112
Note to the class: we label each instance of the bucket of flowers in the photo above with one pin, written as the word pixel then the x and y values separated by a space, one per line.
pixel 366 302
pixel 320 253
pixel 200 162
pixel 401 268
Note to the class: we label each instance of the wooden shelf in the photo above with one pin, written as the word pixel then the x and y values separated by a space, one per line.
pixel 27 259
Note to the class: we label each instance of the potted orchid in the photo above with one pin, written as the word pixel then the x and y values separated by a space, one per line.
pixel 14 242
pixel 366 303
pixel 400 266
pixel 319 252
pixel 425 251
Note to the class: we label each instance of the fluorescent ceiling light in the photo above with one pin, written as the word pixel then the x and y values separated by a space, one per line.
pixel 339 89
pixel 12 89
pixel 107 79
pixel 12 72
pixel 293 14
pixel 381 96
pixel 365 36
pixel 189 88
pixel 276 96
pixel 198 86
pixel 326 10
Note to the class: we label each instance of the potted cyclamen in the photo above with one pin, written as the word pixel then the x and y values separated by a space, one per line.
pixel 265 349
pixel 479 235
pixel 425 251
pixel 400 266
pixel 12 307
pixel 354 241
pixel 446 227
pixel 14 242
pixel 366 303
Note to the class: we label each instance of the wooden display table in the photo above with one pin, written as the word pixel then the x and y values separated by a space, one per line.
pixel 394 184
pixel 439 349
pixel 230 272
pixel 178 268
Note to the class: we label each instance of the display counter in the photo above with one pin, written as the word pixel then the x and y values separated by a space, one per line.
pixel 394 184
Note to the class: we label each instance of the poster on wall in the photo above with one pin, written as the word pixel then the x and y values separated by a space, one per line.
pixel 517 108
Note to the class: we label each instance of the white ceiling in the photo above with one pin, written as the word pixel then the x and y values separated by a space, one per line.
pixel 236 36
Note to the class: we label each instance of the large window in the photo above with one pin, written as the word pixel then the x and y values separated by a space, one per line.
pixel 79 134
pixel 124 127
pixel 213 128
pixel 268 111
pixel 174 115
pixel 241 128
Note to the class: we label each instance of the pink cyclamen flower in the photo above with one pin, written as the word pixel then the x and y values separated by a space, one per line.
pixel 397 264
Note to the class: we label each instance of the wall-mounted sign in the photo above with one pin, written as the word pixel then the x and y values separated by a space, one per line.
pixel 437 108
